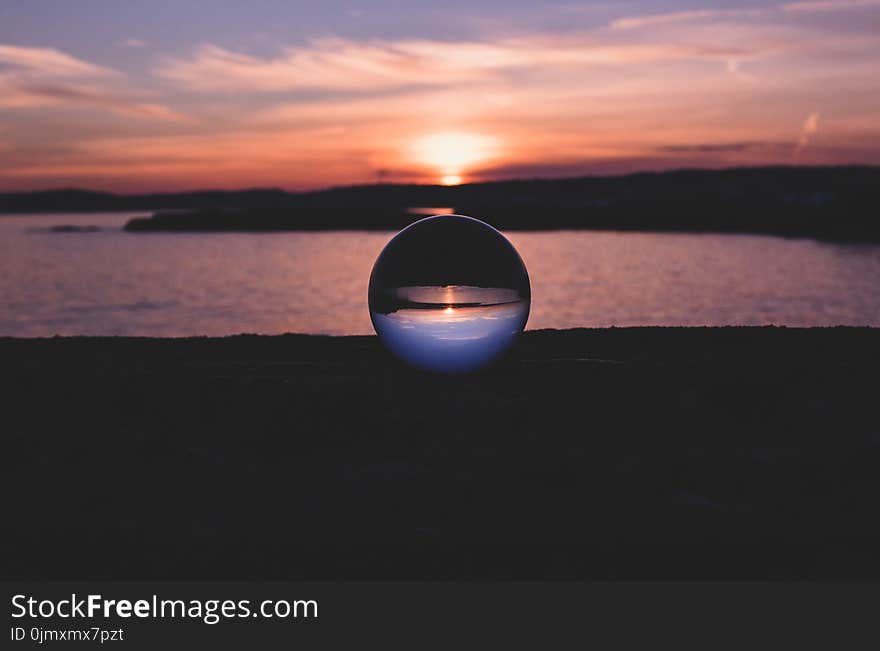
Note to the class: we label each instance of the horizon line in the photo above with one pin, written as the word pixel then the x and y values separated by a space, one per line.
pixel 531 179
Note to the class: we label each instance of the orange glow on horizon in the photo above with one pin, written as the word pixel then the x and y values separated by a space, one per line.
pixel 643 90
pixel 451 152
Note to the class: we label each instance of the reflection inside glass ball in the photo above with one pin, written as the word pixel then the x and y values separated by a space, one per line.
pixel 449 293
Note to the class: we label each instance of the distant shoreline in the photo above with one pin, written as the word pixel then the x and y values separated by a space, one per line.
pixel 828 203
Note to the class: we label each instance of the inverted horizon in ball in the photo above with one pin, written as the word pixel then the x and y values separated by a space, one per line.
pixel 449 294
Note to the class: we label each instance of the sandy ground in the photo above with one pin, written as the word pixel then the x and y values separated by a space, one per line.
pixel 622 453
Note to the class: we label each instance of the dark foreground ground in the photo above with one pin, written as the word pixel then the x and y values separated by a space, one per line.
pixel 622 453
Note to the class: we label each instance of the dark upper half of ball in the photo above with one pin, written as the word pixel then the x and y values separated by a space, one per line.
pixel 450 250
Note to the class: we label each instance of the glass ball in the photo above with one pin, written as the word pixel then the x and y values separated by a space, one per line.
pixel 449 294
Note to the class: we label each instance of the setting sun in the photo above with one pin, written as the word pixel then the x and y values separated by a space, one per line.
pixel 452 152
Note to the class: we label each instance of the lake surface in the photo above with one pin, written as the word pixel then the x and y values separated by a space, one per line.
pixel 110 282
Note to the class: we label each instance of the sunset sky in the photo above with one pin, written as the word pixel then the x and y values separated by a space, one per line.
pixel 178 94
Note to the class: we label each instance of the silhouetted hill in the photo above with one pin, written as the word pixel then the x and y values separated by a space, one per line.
pixel 73 200
pixel 825 202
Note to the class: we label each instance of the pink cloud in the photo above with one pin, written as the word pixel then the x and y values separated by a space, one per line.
pixel 49 62
pixel 710 14
pixel 31 77
pixel 352 65
pixel 653 20
pixel 820 6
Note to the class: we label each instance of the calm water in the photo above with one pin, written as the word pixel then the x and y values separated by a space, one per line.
pixel 111 282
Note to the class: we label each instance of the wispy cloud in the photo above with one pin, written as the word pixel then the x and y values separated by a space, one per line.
pixel 352 65
pixel 31 76
pixel 134 42
pixel 30 95
pixel 809 128
pixel 334 63
pixel 49 62
pixel 653 20
pixel 711 14
pixel 819 6
pixel 712 148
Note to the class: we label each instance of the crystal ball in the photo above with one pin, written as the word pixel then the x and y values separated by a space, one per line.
pixel 449 293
